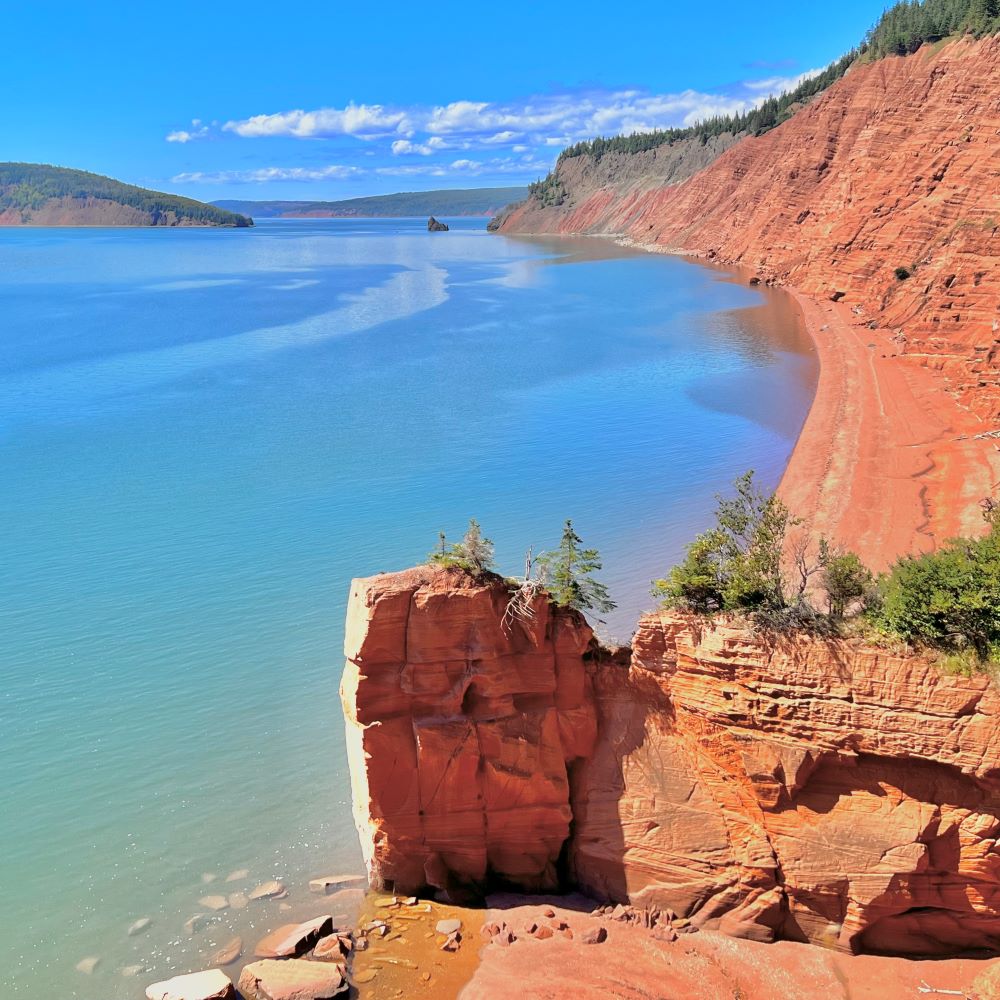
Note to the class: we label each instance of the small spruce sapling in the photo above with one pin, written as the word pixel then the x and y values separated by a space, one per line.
pixel 568 573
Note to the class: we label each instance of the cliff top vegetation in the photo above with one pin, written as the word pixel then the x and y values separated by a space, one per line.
pixel 28 186
pixel 752 561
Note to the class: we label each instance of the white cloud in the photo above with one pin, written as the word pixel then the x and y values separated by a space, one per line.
pixel 198 130
pixel 471 138
pixel 361 120
pixel 780 84
pixel 261 175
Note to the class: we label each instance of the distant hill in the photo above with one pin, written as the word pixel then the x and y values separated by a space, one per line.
pixel 33 194
pixel 474 201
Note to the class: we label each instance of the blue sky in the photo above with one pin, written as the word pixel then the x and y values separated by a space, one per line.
pixel 333 100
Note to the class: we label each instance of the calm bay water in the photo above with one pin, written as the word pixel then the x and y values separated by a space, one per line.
pixel 204 434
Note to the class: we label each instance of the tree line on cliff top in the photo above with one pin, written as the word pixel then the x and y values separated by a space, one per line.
pixel 901 30
pixel 752 561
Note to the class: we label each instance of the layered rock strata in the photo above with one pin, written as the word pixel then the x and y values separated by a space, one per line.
pixel 766 786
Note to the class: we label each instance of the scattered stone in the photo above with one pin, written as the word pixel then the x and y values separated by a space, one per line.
pixel 239 875
pixel 285 907
pixel 665 933
pixel 448 926
pixel 364 977
pixel 489 931
pixel 293 940
pixel 681 922
pixel 542 933
pixel 567 933
pixel 228 953
pixel 207 878
pixel 529 927
pixel 131 971
pixel 293 979
pixel 215 903
pixel 548 912
pixel 594 935
pixel 620 912
pixel 331 883
pixel 453 942
pixel 425 976
pixel 211 985
pixel 194 924
pixel 558 925
pixel 412 901
pixel 239 900
pixel 689 929
pixel 330 948
pixel 140 925
pixel 268 890
pixel 87 965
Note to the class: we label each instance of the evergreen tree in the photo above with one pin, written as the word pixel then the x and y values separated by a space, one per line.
pixel 568 575
pixel 474 553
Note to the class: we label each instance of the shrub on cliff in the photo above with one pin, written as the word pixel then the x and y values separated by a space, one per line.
pixel 948 599
pixel 474 553
pixel 568 575
pixel 844 577
pixel 736 565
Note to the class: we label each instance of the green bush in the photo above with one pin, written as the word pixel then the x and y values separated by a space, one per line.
pixel 737 564
pixel 948 599
pixel 844 577
pixel 902 273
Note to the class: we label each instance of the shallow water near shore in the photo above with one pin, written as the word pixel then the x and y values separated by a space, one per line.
pixel 204 434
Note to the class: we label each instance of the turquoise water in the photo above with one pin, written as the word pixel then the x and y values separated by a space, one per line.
pixel 204 434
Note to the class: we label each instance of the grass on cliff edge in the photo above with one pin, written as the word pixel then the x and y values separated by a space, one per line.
pixel 754 560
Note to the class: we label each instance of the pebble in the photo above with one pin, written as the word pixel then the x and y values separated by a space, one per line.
pixel 214 903
pixel 425 976
pixel 228 953
pixel 131 971
pixel 139 926
pixel 239 900
pixel 207 878
pixel 268 890
pixel 548 912
pixel 238 876
pixel 194 924
pixel 87 965
pixel 448 926
pixel 365 977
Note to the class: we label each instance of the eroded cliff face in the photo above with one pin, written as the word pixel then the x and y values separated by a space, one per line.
pixel 461 731
pixel 767 786
pixel 895 165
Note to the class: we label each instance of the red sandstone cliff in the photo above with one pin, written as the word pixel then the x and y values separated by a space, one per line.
pixel 766 786
pixel 895 165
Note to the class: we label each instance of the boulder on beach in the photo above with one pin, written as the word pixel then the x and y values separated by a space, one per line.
pixel 211 985
pixel 331 883
pixel 293 940
pixel 292 979
pixel 433 226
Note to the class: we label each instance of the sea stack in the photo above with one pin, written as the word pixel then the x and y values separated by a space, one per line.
pixel 433 226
